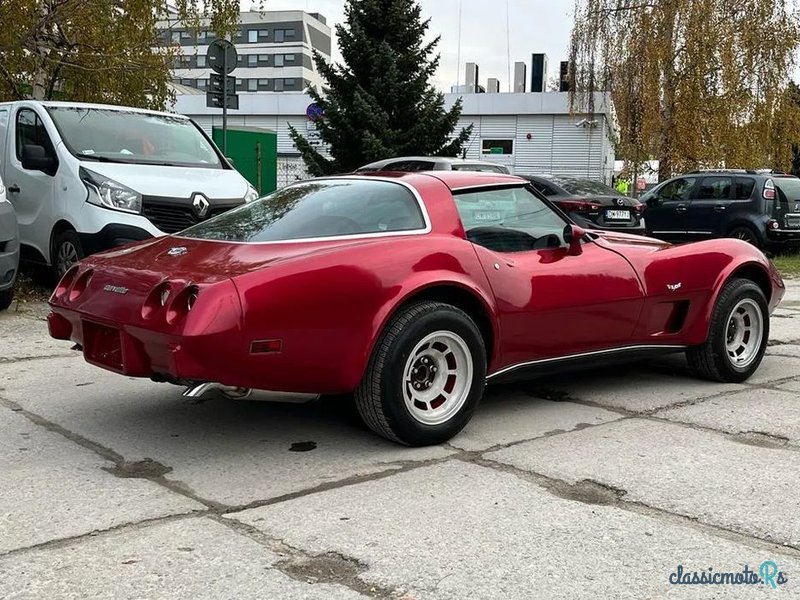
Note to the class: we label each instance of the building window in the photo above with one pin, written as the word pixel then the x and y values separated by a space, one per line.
pixel 263 33
pixel 289 32
pixel 263 58
pixel 279 85
pixel 201 61
pixel 186 82
pixel 279 35
pixel 202 84
pixel 278 60
pixel 185 35
pixel 176 37
pixel 263 83
pixel 289 82
pixel 252 60
pixel 289 58
pixel 497 146
pixel 252 85
pixel 252 36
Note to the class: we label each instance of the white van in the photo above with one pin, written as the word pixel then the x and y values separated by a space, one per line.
pixel 88 177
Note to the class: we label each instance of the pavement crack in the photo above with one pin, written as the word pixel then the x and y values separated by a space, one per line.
pixel 11 361
pixel 592 492
pixel 328 568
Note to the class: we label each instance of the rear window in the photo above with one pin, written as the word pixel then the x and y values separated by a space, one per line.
pixel 744 188
pixel 318 209
pixel 479 167
pixel 789 187
pixel 584 187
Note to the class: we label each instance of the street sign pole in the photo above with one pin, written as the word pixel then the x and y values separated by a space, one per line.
pixel 225 104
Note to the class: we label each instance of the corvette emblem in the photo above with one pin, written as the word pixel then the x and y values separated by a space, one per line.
pixel 177 251
pixel 200 204
pixel 674 287
pixel 115 289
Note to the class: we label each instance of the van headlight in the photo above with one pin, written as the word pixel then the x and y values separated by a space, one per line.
pixel 109 193
pixel 2 192
pixel 251 194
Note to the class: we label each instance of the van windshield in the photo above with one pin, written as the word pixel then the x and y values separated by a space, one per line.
pixel 108 135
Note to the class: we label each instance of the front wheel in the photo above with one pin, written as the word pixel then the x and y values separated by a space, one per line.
pixel 6 297
pixel 67 250
pixel 737 337
pixel 425 377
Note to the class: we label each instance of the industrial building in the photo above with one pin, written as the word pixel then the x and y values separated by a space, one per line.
pixel 530 132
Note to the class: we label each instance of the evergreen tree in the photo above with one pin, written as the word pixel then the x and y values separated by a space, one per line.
pixel 380 103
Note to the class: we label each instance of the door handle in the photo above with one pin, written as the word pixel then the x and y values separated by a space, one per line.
pixel 13 189
pixel 720 207
pixel 680 208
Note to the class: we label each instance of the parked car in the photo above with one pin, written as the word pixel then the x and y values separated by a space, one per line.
pixel 410 292
pixel 87 177
pixel 591 204
pixel 9 249
pixel 433 163
pixel 760 208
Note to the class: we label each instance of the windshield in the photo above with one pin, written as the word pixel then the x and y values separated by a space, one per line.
pixel 318 209
pixel 584 187
pixel 109 135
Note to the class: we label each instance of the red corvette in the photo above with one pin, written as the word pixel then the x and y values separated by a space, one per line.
pixel 410 291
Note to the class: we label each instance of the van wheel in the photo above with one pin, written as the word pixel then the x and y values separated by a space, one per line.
pixel 67 250
pixel 745 234
pixel 6 297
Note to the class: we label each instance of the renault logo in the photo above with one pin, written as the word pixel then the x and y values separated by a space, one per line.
pixel 200 204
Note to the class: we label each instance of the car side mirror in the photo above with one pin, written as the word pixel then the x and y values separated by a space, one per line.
pixel 230 160
pixel 573 236
pixel 35 158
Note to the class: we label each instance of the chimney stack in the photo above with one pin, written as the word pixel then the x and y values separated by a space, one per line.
pixel 520 77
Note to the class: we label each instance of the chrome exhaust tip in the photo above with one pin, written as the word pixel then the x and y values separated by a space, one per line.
pixel 197 390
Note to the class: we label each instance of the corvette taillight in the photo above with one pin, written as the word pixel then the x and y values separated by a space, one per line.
pixel 182 304
pixel 579 206
pixel 80 285
pixel 66 282
pixel 156 300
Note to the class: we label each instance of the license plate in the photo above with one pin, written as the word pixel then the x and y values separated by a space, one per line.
pixel 487 216
pixel 618 215
pixel 102 345
pixel 793 221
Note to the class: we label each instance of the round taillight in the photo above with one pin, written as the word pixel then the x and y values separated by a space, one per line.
pixel 80 285
pixel 182 304
pixel 66 282
pixel 156 299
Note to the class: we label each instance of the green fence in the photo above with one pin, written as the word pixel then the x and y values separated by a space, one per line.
pixel 254 153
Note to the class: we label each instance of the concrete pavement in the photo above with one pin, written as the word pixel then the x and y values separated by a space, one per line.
pixel 595 485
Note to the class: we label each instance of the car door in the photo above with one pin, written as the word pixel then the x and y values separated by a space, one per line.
pixel 665 215
pixel 711 200
pixel 31 192
pixel 550 303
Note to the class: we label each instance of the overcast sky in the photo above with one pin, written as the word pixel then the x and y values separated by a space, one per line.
pixel 533 26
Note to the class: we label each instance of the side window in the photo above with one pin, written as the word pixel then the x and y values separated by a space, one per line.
pixel 678 190
pixel 744 188
pixel 509 220
pixel 30 130
pixel 714 188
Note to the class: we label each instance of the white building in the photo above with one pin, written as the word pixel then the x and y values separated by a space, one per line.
pixel 532 133
pixel 274 48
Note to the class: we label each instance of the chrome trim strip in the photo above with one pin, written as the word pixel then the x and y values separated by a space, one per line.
pixel 353 236
pixel 586 354
pixel 513 181
pixel 686 232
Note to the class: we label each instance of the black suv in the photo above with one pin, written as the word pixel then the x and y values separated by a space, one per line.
pixel 762 208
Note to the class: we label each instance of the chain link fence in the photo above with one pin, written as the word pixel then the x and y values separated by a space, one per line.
pixel 290 170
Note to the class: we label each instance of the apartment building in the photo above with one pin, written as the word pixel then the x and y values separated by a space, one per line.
pixel 274 48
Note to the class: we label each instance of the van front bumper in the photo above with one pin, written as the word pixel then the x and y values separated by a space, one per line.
pixel 112 236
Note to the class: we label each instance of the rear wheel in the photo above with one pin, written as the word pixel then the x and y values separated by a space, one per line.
pixel 425 377
pixel 66 251
pixel 745 234
pixel 737 337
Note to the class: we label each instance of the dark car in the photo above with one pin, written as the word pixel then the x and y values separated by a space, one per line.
pixel 760 208
pixel 591 204
pixel 433 163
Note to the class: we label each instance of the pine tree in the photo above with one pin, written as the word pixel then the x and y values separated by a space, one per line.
pixel 380 103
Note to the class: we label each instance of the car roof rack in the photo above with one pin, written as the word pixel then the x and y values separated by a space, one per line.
pixel 744 171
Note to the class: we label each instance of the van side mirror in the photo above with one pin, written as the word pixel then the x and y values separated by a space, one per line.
pixel 35 158
pixel 573 236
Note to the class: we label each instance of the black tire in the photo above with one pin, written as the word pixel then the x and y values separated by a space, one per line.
pixel 6 297
pixel 711 360
pixel 746 234
pixel 66 251
pixel 381 396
